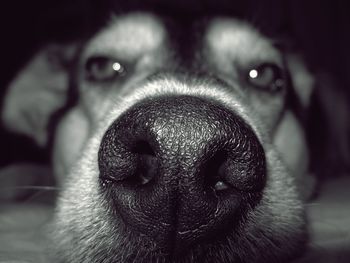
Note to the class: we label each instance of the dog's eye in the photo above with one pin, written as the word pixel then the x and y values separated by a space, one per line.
pixel 103 69
pixel 267 76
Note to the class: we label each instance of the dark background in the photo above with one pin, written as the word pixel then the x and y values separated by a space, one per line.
pixel 320 30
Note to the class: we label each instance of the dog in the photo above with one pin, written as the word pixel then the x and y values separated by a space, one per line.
pixel 183 144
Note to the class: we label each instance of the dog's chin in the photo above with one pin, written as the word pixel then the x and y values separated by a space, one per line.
pixel 225 250
pixel 245 244
pixel 254 240
pixel 229 249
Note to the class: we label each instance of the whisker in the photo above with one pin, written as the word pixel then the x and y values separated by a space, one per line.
pixel 312 204
pixel 31 187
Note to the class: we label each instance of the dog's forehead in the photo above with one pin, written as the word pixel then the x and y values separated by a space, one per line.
pixel 133 34
pixel 238 41
pixel 129 35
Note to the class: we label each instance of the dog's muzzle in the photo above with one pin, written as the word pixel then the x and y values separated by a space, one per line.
pixel 181 170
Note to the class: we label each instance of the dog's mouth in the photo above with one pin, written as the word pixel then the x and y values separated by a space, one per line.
pixel 181 170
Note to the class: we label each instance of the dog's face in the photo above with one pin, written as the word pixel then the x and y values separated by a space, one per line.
pixel 176 143
pixel 181 148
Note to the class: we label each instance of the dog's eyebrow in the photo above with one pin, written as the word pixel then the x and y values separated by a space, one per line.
pixel 129 36
pixel 237 41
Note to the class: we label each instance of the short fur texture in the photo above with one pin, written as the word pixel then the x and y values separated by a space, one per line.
pixel 211 64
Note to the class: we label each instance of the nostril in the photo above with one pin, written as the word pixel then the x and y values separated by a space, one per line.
pixel 213 172
pixel 147 164
pixel 143 148
pixel 127 162
pixel 231 171
pixel 220 186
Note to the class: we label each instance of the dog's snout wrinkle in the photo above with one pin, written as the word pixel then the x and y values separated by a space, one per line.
pixel 180 168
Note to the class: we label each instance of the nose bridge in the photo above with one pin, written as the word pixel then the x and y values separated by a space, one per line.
pixel 183 128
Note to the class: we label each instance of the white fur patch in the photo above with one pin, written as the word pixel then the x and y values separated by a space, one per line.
pixel 234 40
pixel 129 36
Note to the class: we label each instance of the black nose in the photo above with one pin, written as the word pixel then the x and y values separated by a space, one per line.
pixel 181 170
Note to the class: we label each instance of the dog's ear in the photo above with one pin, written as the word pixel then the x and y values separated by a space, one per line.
pixel 331 146
pixel 38 90
pixel 327 120
pixel 301 78
pixel 290 137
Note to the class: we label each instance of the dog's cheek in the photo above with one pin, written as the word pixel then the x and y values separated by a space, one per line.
pixel 280 214
pixel 81 216
pixel 289 140
pixel 71 136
